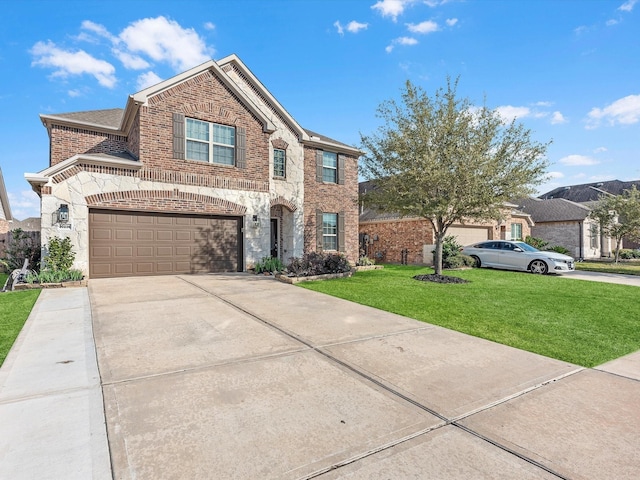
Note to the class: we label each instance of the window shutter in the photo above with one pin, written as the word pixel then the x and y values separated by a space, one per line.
pixel 319 242
pixel 341 169
pixel 241 147
pixel 341 247
pixel 178 136
pixel 319 165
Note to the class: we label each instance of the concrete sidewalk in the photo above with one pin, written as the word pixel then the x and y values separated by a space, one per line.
pixel 51 409
pixel 237 376
pixel 633 280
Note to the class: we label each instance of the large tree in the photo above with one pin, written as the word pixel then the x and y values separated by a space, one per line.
pixel 619 216
pixel 448 161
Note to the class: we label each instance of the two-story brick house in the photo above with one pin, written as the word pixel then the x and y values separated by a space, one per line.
pixel 203 172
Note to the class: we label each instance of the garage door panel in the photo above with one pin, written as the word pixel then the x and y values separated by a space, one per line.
pixel 164 235
pixel 157 244
pixel 144 235
pixel 469 235
pixel 144 251
pixel 124 252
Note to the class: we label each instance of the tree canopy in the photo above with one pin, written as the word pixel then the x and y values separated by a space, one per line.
pixel 448 161
pixel 619 216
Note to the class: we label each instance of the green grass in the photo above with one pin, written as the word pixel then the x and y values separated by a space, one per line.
pixel 631 267
pixel 586 323
pixel 14 310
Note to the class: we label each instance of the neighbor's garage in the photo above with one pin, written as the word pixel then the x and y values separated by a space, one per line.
pixel 124 243
pixel 469 235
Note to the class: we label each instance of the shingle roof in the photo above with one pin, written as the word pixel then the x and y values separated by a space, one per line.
pixel 325 138
pixel 106 118
pixel 553 210
pixel 590 192
pixel 31 224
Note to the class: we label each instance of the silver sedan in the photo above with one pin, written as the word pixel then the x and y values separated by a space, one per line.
pixel 518 256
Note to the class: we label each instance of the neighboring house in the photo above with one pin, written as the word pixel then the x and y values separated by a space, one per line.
pixel 388 237
pixel 589 193
pixel 31 224
pixel 5 208
pixel 564 223
pixel 204 172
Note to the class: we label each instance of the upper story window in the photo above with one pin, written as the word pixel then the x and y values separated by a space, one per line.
pixel 210 142
pixel 329 167
pixel 279 162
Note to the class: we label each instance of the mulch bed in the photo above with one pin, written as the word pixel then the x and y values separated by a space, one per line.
pixel 440 279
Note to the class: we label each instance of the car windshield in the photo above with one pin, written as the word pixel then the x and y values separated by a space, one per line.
pixel 526 247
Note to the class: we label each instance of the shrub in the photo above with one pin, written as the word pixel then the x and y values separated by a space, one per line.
pixel 60 256
pixel 314 263
pixel 364 260
pixel 269 264
pixel 55 276
pixel 21 245
pixel 451 255
pixel 559 249
pixel 626 254
pixel 536 242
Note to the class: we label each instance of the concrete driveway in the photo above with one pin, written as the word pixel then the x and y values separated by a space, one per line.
pixel 236 376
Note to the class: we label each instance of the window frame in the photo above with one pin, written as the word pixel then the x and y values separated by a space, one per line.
pixel 333 245
pixel 210 142
pixel 332 168
pixel 518 226
pixel 284 163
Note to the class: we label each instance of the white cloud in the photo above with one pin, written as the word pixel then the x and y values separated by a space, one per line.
pixel 74 93
pixel 355 27
pixel 388 48
pixel 611 23
pixel 339 27
pixel 209 26
pixel 132 62
pixel 600 150
pixel 578 161
pixel 555 175
pixel 451 21
pixel 557 118
pixel 24 204
pixel 166 41
pixel 147 79
pixel 427 26
pixel 509 112
pixel 543 104
pixel 624 111
pixel 627 6
pixel 406 41
pixel 67 63
pixel 99 30
pixel 392 8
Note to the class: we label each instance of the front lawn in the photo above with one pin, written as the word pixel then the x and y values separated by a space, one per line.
pixel 630 267
pixel 586 323
pixel 14 311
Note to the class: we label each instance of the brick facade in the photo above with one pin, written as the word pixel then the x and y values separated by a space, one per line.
pixel 142 168
pixel 331 198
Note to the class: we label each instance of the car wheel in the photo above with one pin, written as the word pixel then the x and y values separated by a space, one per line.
pixel 539 267
pixel 476 261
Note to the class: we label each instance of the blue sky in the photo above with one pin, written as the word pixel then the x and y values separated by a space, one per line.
pixel 568 70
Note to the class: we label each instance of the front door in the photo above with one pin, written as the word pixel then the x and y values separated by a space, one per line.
pixel 274 237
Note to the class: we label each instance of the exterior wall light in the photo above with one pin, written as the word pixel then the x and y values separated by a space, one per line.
pixel 61 216
pixel 256 222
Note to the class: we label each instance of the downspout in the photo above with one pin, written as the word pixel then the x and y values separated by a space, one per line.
pixel 581 239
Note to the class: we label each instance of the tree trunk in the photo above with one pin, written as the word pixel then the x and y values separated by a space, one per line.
pixel 618 244
pixel 437 260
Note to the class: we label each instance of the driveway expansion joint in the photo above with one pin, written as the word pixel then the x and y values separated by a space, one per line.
pixel 445 421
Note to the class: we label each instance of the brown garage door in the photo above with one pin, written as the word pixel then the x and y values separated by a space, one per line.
pixel 125 243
